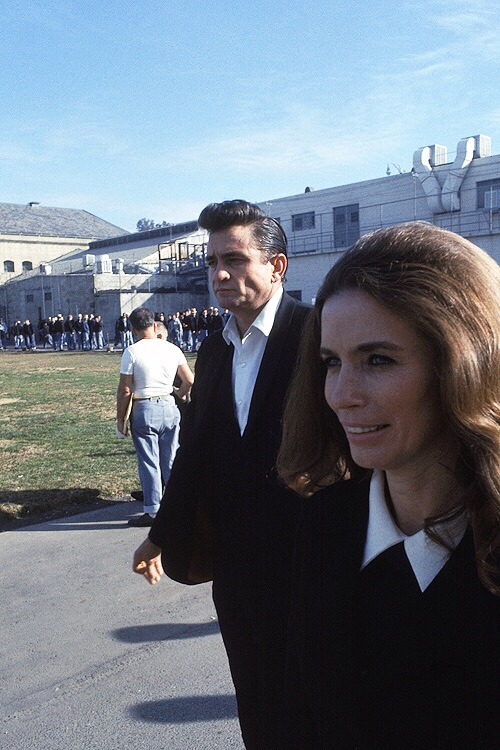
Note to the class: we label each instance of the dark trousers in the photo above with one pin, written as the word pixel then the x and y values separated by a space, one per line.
pixel 256 660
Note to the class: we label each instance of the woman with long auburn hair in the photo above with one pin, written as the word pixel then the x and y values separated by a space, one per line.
pixel 392 431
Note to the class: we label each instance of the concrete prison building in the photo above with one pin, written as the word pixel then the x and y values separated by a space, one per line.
pixel 462 195
pixel 163 268
pixel 32 234
pixel 71 261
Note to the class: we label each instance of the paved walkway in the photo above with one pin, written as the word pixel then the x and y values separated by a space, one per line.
pixel 94 657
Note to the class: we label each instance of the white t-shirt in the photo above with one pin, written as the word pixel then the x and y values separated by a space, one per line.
pixel 153 363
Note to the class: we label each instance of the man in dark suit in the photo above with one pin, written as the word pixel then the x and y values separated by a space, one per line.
pixel 224 516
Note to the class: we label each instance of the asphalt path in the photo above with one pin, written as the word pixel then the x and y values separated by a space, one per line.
pixel 92 656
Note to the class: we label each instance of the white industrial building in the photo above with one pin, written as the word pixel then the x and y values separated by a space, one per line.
pixel 162 268
pixel 462 195
pixel 165 267
pixel 33 234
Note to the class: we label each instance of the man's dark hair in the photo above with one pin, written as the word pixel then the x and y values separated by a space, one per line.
pixel 141 318
pixel 268 233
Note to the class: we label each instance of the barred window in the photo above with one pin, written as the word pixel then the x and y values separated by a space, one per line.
pixel 346 225
pixel 488 194
pixel 301 222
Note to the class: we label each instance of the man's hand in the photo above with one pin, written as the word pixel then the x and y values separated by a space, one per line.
pixel 147 561
pixel 175 391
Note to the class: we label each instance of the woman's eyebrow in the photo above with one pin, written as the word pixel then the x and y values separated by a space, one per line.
pixel 368 346
pixel 371 345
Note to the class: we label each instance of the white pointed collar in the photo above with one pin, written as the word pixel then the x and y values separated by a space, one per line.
pixel 426 556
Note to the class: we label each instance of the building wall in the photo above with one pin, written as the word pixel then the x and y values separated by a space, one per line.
pixel 146 250
pixel 312 250
pixel 73 286
pixel 382 202
pixel 479 225
pixel 18 248
pixel 36 296
pixel 312 253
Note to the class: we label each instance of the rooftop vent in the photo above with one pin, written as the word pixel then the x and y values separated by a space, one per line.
pixel 482 146
pixel 439 155
pixel 103 264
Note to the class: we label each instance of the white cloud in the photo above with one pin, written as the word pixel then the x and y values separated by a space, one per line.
pixel 293 139
pixel 15 151
pixel 44 141
pixel 475 33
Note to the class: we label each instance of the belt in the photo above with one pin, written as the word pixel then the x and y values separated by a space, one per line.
pixel 151 398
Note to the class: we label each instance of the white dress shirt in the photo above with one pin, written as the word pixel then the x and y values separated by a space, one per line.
pixel 248 353
pixel 426 556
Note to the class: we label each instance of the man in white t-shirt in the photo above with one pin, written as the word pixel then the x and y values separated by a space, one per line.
pixel 148 369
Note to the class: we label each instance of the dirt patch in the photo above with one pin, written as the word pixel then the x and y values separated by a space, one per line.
pixel 12 459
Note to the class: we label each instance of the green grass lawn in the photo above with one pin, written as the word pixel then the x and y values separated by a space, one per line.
pixel 57 436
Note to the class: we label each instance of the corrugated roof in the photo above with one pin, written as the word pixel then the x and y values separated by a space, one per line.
pixel 44 221
pixel 173 231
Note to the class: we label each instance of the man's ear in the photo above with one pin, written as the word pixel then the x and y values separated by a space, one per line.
pixel 280 263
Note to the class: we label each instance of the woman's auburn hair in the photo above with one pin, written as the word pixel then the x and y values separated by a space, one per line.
pixel 448 290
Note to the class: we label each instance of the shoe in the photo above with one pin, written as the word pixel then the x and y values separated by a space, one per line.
pixel 144 520
pixel 138 495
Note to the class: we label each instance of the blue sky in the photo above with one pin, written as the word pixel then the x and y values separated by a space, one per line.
pixel 155 109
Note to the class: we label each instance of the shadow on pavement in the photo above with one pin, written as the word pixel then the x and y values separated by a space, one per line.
pixel 165 632
pixel 50 504
pixel 63 525
pixel 188 709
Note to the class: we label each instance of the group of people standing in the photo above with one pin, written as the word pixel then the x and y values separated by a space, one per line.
pixel 345 495
pixel 85 332
pixel 187 329
pixel 21 333
pixel 82 332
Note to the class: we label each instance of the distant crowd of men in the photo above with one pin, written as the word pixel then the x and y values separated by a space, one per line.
pixel 188 329
pixel 85 332
pixel 184 329
pixel 82 332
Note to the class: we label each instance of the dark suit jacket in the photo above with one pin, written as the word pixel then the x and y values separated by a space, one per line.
pixel 223 506
pixel 437 686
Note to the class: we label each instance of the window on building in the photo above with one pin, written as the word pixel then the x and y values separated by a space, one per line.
pixel 488 194
pixel 29 298
pixel 27 265
pixel 301 222
pixel 346 225
pixel 48 296
pixel 8 266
